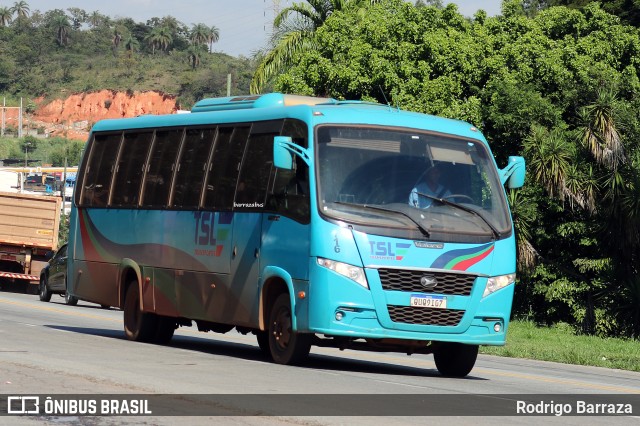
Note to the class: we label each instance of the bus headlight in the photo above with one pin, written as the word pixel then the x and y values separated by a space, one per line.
pixel 352 272
pixel 496 283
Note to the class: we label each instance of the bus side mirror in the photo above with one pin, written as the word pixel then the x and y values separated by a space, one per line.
pixel 283 151
pixel 514 174
pixel 282 156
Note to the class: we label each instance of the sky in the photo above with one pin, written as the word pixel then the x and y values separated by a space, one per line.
pixel 244 25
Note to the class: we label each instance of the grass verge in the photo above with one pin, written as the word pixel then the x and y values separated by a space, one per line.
pixel 560 344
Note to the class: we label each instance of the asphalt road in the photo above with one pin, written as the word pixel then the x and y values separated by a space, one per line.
pixel 53 349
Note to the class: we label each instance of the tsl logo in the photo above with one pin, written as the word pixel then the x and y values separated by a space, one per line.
pixel 385 250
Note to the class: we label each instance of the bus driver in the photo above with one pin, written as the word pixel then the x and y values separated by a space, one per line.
pixel 428 186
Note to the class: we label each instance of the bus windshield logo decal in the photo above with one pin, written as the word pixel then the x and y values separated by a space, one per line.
pixel 385 250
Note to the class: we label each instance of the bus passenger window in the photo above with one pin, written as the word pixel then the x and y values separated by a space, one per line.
pixel 162 163
pixel 224 167
pixel 253 180
pixel 128 174
pixel 99 169
pixel 190 175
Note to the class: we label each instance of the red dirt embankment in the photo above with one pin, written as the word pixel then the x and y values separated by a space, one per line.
pixel 72 117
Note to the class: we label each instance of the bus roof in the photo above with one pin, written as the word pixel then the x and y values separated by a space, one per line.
pixel 257 101
pixel 270 106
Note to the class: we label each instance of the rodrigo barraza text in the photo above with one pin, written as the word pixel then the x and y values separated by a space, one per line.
pixel 577 407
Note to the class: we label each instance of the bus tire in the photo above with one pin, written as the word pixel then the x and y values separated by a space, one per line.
pixel 455 359
pixel 138 326
pixel 286 346
pixel 165 328
pixel 45 293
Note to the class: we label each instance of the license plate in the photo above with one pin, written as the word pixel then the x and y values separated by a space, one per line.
pixel 423 301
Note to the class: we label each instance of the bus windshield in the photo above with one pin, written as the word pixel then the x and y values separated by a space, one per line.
pixel 447 187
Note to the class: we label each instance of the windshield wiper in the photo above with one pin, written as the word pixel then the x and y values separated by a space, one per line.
pixel 495 231
pixel 422 229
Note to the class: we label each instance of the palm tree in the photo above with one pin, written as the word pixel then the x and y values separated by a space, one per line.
pixel 160 38
pixel 171 23
pixel 199 34
pixel 212 36
pixel 523 211
pixel 549 155
pixel 5 16
pixel 62 27
pixel 294 28
pixel 600 133
pixel 131 44
pixel 117 38
pixel 95 19
pixel 21 9
pixel 194 51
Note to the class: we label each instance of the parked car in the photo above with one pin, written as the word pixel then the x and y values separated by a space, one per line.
pixel 53 278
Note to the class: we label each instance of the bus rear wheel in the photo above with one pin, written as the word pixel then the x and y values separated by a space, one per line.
pixel 286 345
pixel 138 326
pixel 455 359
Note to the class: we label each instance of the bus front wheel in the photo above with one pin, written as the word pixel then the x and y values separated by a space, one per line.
pixel 286 345
pixel 455 359
pixel 138 326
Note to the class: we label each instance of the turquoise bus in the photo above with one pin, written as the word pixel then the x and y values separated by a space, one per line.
pixel 295 218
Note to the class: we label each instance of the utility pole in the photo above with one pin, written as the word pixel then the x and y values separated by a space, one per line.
pixel 229 84
pixel 20 121
pixel 26 148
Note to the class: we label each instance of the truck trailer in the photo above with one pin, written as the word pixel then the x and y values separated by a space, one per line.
pixel 28 235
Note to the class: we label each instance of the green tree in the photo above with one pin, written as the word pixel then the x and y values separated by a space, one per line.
pixel 116 39
pixel 159 38
pixel 627 10
pixel 62 27
pixel 294 28
pixel 195 55
pixel 131 44
pixel 78 17
pixel 29 144
pixel 199 34
pixel 96 19
pixel 5 16
pixel 21 9
pixel 213 35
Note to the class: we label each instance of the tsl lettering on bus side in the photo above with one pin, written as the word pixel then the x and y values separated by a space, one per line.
pixel 205 226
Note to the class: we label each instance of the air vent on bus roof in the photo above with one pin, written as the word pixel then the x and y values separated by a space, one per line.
pixel 257 101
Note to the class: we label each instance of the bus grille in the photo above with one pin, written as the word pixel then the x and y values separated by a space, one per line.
pixel 446 283
pixel 425 316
